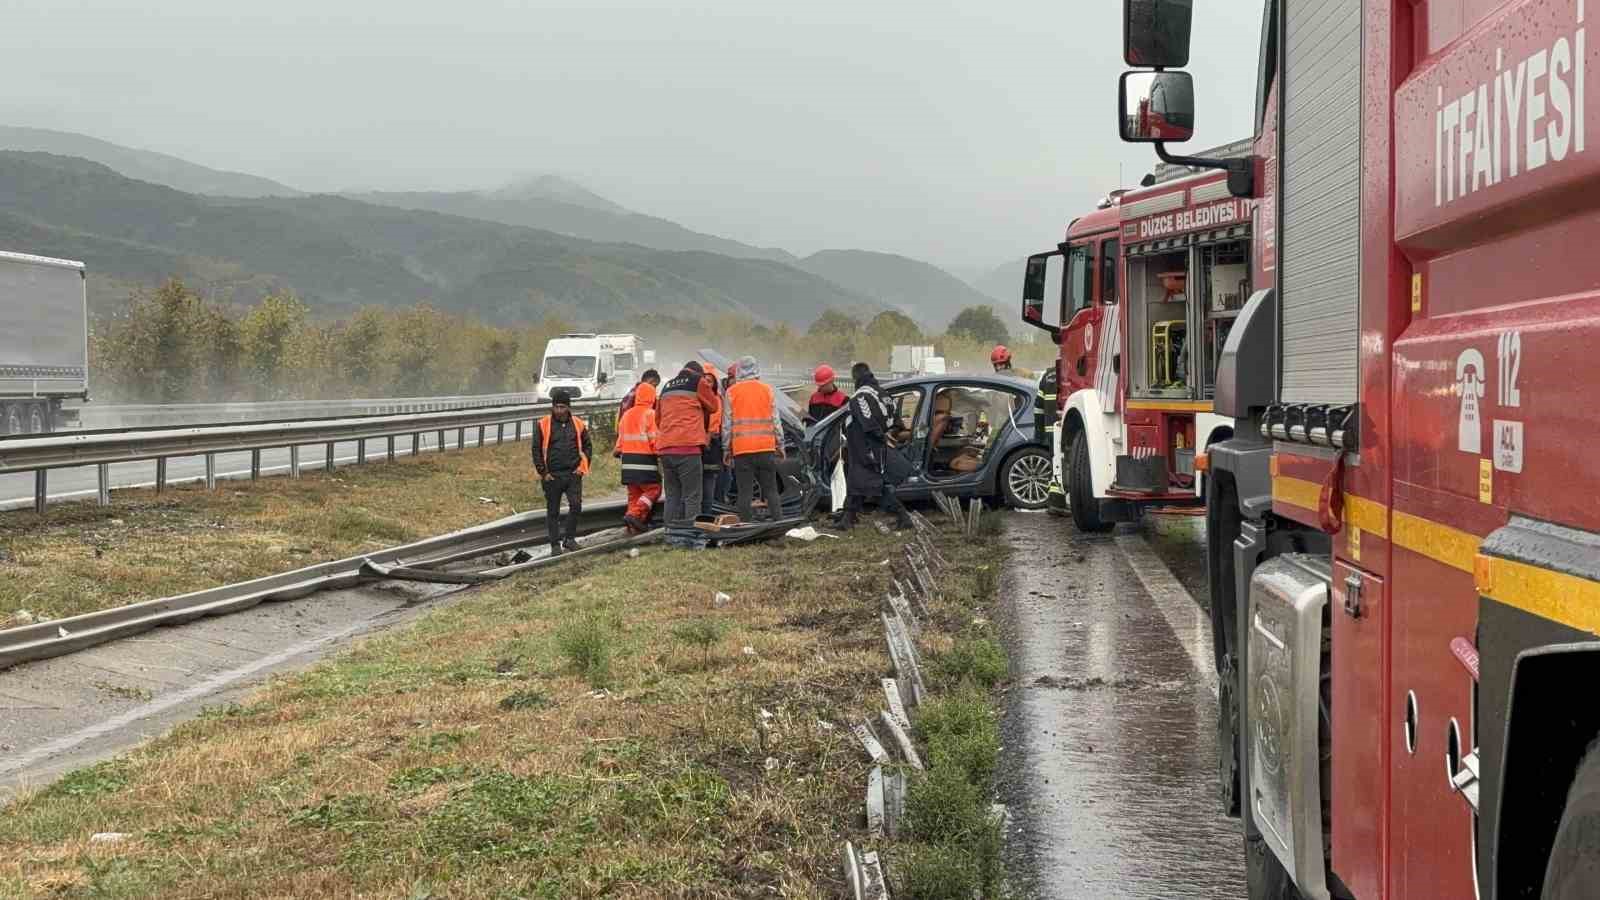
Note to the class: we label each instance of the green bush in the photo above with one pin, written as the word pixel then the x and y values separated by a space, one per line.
pixel 587 642
pixel 702 633
pixel 938 872
pixel 978 661
pixel 942 806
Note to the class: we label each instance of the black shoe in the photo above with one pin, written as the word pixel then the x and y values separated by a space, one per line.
pixel 634 525
pixel 847 521
pixel 555 549
pixel 902 521
pixel 569 544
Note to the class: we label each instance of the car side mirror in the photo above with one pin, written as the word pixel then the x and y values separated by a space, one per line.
pixel 1155 33
pixel 1156 106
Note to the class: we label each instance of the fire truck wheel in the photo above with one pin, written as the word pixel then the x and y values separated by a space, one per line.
pixel 1574 867
pixel 1080 488
pixel 1265 877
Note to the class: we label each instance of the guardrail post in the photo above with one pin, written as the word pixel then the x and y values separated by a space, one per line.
pixel 103 476
pixel 41 489
pixel 391 448
pixel 416 444
pixel 211 471
pixel 327 465
pixel 361 451
pixel 481 430
pixel 461 438
pixel 518 438
pixel 255 465
pixel 161 474
pixel 441 440
pixel 500 434
pixel 294 461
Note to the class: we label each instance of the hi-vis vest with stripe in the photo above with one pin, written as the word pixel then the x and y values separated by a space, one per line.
pixel 578 425
pixel 750 406
pixel 636 442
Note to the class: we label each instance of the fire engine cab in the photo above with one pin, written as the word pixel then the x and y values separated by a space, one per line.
pixel 1138 364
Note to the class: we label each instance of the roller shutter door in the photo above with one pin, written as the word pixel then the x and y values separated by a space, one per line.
pixel 1319 266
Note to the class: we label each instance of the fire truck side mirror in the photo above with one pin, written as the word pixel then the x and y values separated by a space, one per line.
pixel 1156 106
pixel 1155 33
pixel 1035 287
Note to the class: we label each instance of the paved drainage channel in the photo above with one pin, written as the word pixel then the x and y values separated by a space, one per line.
pixel 63 713
pixel 1109 761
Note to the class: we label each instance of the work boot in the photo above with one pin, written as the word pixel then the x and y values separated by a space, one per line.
pixel 847 520
pixel 569 544
pixel 633 524
pixel 902 521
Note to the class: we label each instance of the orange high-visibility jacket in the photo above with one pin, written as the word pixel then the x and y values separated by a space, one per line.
pixel 636 439
pixel 578 425
pixel 752 425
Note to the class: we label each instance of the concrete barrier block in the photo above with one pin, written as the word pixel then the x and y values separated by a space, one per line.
pixel 870 743
pixel 894 802
pixel 875 807
pixel 897 703
pixel 902 740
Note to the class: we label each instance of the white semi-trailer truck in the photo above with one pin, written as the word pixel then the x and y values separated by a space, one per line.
pixel 44 342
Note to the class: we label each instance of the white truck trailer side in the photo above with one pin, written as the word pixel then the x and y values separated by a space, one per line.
pixel 44 342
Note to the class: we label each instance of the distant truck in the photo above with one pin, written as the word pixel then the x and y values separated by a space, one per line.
pixel 44 342
pixel 594 366
pixel 911 359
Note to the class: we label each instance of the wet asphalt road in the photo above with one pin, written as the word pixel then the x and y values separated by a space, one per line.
pixel 1109 766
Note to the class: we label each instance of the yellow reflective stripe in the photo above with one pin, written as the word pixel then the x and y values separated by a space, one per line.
pixel 1296 492
pixel 1441 543
pixel 1172 405
pixel 1557 596
pixel 1368 515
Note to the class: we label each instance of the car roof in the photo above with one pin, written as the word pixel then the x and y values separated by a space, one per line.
pixel 1009 381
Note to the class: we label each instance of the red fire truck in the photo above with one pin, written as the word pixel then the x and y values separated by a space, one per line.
pixel 1404 533
pixel 1137 363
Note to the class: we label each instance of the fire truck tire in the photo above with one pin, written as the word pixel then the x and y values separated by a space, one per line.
pixel 1222 527
pixel 1573 870
pixel 1265 877
pixel 1080 488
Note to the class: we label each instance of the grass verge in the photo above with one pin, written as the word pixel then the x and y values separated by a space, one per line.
pixel 79 557
pixel 473 754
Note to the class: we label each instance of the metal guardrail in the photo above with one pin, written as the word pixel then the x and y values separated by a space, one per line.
pixel 147 414
pixel 100 449
pixel 61 636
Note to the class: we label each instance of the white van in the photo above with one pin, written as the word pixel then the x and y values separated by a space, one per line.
pixel 594 366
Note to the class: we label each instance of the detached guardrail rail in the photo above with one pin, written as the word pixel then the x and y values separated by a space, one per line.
pixel 100 449
pixel 61 636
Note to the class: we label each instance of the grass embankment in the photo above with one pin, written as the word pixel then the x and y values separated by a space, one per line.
pixel 79 557
pixel 604 727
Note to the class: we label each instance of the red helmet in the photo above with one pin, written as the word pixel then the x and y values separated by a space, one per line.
pixel 823 374
pixel 1000 356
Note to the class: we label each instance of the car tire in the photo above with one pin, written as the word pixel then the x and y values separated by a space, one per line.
pixel 1573 869
pixel 1025 479
pixel 1080 488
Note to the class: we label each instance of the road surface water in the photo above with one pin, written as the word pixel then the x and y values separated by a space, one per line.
pixel 1109 765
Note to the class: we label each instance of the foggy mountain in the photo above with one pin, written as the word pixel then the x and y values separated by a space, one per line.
pixel 340 253
pixel 926 293
pixel 143 165
pixel 554 204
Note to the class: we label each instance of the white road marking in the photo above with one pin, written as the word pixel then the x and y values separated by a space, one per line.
pixel 1189 623
pixel 162 704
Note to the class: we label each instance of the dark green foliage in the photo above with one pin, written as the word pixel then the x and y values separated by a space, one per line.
pixel 702 633
pixel 529 699
pixel 100 778
pixel 980 324
pixel 587 643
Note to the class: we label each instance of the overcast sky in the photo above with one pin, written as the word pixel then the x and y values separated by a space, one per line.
pixel 965 133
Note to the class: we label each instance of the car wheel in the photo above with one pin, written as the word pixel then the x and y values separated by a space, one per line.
pixel 1080 488
pixel 1025 479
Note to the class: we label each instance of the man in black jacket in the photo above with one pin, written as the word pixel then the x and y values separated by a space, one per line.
pixel 561 454
pixel 866 451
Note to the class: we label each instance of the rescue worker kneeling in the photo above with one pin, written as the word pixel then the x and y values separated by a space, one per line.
pixel 636 447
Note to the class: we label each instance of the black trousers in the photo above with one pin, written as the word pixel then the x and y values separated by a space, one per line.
pixel 888 501
pixel 569 485
pixel 750 468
